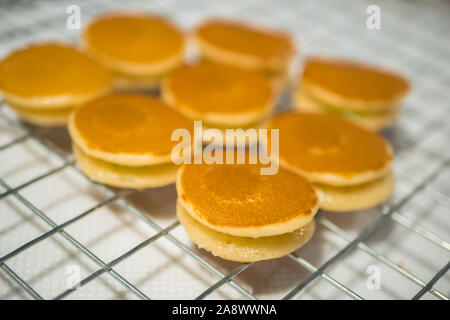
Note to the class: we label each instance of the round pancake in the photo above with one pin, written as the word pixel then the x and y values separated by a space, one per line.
pixel 243 44
pixel 330 150
pixel 44 117
pixel 123 176
pixel 353 84
pixel 51 75
pixel 372 121
pixel 243 249
pixel 135 43
pixel 127 129
pixel 359 197
pixel 219 94
pixel 236 199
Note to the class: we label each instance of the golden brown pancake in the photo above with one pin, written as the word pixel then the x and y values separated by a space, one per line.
pixel 126 129
pixel 243 249
pixel 130 83
pixel 377 120
pixel 359 197
pixel 353 85
pixel 50 76
pixel 219 94
pixel 139 45
pixel 327 149
pixel 236 199
pixel 245 45
pixel 349 166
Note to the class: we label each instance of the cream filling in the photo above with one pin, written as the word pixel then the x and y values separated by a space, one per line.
pixel 122 176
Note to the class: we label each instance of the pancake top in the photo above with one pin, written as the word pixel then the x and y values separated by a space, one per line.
pixel 127 124
pixel 325 144
pixel 136 38
pixel 247 40
pixel 217 88
pixel 354 80
pixel 238 196
pixel 51 69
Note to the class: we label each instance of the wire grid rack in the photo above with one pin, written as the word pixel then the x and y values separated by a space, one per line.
pixel 62 236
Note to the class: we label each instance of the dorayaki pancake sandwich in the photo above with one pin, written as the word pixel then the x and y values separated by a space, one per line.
pixel 246 45
pixel 367 95
pixel 124 140
pixel 139 48
pixel 238 214
pixel 350 166
pixel 221 96
pixel 43 82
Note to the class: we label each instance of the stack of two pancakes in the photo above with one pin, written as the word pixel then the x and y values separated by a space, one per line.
pixel 350 167
pixel 267 51
pixel 44 82
pixel 238 214
pixel 367 95
pixel 138 48
pixel 221 96
pixel 124 140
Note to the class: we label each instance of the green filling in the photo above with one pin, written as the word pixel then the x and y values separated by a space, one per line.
pixel 136 169
pixel 345 111
pixel 342 111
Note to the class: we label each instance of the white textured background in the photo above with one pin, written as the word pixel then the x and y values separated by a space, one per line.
pixel 413 40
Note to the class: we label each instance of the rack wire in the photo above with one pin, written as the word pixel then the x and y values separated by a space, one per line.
pixel 343 36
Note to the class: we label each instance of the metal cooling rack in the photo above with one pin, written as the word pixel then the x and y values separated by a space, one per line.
pixel 411 40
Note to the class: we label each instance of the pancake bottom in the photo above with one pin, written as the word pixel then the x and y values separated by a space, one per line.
pixel 44 117
pixel 243 249
pixel 359 197
pixel 125 176
pixel 371 121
